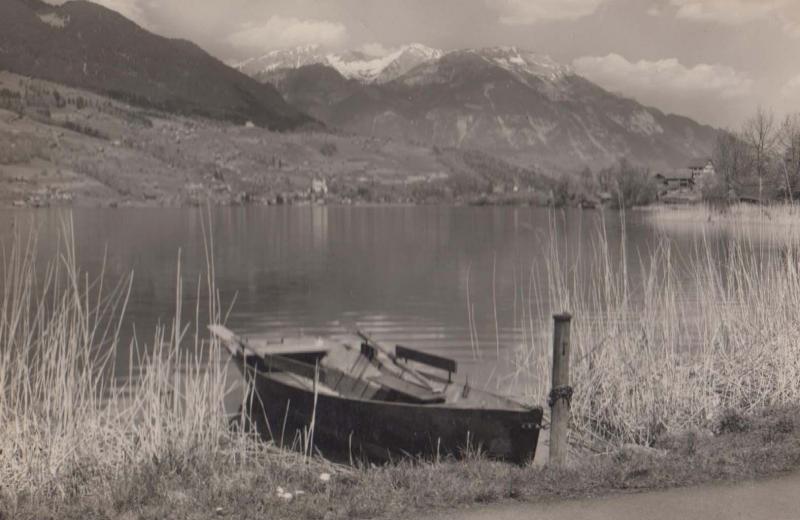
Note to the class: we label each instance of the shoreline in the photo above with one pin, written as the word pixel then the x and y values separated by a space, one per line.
pixel 328 203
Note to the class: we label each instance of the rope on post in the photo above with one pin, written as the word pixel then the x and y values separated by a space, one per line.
pixel 560 397
pixel 560 392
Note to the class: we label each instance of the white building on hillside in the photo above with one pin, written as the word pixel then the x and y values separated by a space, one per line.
pixel 319 186
pixel 701 166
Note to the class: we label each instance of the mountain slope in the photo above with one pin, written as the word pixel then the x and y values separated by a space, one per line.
pixel 92 150
pixel 85 45
pixel 317 88
pixel 504 101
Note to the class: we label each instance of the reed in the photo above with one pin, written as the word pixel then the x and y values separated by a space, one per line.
pixel 652 356
pixel 71 428
pixel 61 411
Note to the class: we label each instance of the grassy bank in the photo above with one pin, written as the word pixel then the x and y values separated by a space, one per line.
pixel 221 485
pixel 664 396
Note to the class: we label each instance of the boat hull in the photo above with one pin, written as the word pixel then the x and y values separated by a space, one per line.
pixel 348 427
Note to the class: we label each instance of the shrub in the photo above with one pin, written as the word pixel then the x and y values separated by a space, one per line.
pixel 16 149
pixel 732 421
pixel 85 130
pixel 632 185
pixel 59 99
pixel 328 149
pixel 716 193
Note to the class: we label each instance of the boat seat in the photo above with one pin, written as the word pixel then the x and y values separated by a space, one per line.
pixel 409 391
pixel 432 360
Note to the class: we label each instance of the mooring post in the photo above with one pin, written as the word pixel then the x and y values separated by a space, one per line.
pixel 561 392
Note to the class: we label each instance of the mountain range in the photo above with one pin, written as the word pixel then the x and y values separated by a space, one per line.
pixel 85 45
pixel 511 102
pixel 350 64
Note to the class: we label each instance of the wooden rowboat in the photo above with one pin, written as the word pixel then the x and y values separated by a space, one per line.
pixel 366 400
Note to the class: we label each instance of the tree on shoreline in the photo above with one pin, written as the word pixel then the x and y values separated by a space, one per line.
pixel 631 185
pixel 733 163
pixel 759 133
pixel 762 157
pixel 789 141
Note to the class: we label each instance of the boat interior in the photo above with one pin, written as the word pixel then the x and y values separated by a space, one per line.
pixel 357 367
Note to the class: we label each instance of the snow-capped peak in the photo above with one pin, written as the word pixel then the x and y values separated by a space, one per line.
pixel 350 64
pixel 384 68
pixel 422 51
pixel 393 63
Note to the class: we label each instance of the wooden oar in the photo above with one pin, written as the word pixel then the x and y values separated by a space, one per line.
pixel 422 380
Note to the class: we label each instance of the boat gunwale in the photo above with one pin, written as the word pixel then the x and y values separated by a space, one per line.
pixel 519 407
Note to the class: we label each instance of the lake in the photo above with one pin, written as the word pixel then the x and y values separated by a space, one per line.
pixel 450 280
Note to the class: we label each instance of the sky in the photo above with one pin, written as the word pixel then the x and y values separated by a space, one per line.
pixel 716 61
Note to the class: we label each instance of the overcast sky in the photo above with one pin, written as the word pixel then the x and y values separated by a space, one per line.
pixel 713 60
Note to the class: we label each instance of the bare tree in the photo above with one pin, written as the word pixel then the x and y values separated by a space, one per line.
pixel 789 143
pixel 732 161
pixel 760 135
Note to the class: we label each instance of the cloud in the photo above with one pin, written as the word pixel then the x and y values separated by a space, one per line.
pixel 526 12
pixel 281 31
pixel 377 50
pixel 740 12
pixel 729 12
pixel 791 25
pixel 791 90
pixel 654 10
pixel 666 76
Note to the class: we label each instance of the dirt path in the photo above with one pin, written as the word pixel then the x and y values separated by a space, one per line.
pixel 773 499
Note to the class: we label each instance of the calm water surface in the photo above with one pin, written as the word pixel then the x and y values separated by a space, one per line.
pixel 404 274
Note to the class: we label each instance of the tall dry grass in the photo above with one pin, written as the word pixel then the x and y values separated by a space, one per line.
pixel 68 426
pixel 653 354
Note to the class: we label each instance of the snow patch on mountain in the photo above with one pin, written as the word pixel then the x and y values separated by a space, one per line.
pixel 282 59
pixel 407 58
pixel 521 63
pixel 463 126
pixel 643 122
pixel 366 69
pixel 639 122
pixel 54 20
